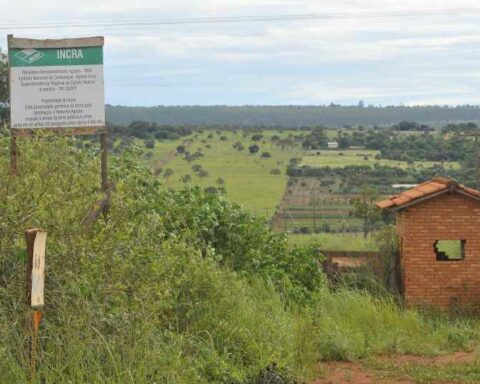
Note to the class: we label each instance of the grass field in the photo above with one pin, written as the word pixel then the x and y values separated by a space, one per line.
pixel 335 241
pixel 343 158
pixel 247 177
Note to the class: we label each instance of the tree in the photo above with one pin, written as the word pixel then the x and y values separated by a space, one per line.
pixel 168 173
pixel 364 208
pixel 343 142
pixel 186 178
pixel 254 148
pixel 202 173
pixel 238 146
pixel 196 167
pixel 220 181
pixel 257 137
pixel 275 138
pixel 181 149
pixel 149 143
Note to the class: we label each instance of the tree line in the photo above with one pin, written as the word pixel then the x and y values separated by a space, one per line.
pixel 292 115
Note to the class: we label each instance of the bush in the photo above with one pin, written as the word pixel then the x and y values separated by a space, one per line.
pixel 238 146
pixel 265 155
pixel 150 143
pixel 152 294
pixel 253 148
pixel 176 287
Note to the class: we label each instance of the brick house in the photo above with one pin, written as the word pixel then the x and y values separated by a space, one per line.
pixel 438 224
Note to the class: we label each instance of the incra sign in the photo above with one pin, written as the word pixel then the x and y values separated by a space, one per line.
pixel 56 83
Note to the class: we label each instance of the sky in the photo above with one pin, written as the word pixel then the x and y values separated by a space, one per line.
pixel 429 59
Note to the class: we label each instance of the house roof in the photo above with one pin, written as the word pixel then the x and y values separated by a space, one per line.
pixel 426 191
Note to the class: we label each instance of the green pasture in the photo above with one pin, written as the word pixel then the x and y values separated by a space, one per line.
pixel 161 150
pixel 334 241
pixel 339 225
pixel 344 158
pixel 247 177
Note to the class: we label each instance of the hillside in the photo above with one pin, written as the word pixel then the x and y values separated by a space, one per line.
pixel 291 116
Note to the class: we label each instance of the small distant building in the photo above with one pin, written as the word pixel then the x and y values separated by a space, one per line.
pixel 438 224
pixel 403 186
pixel 332 145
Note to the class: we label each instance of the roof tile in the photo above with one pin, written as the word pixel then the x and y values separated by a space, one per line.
pixel 425 189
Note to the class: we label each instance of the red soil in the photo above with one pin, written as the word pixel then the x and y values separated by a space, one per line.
pixel 357 373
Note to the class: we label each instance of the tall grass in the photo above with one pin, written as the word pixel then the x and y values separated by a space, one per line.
pixel 141 298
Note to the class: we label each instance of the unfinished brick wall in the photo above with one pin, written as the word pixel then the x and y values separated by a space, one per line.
pixel 426 281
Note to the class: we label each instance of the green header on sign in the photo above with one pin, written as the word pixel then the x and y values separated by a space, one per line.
pixel 43 57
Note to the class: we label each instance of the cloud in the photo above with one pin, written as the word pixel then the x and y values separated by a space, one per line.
pixel 381 60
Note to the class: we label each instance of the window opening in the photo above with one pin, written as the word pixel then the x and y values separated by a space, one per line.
pixel 449 250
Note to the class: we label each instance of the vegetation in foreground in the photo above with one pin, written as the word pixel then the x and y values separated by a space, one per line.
pixel 177 287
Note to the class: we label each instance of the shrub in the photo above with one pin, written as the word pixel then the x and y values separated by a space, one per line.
pixel 254 148
pixel 265 155
pixel 152 294
pixel 238 146
pixel 150 143
pixel 176 287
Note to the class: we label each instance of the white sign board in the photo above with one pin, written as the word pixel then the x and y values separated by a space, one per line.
pixel 56 83
pixel 38 269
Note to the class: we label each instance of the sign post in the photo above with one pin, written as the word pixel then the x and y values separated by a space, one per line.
pixel 36 240
pixel 57 86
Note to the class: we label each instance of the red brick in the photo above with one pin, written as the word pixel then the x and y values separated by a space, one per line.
pixel 450 216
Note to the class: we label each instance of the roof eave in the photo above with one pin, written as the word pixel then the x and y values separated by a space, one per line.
pixel 419 200
pixel 431 196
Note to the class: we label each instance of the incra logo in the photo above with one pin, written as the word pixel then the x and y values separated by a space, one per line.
pixel 29 56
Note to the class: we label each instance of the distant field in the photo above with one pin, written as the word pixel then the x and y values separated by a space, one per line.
pixel 343 158
pixel 247 177
pixel 335 241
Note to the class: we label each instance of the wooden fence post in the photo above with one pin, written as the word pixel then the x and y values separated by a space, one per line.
pixel 34 285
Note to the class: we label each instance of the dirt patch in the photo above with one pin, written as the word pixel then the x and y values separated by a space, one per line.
pixel 356 373
pixel 454 358
pixel 359 373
